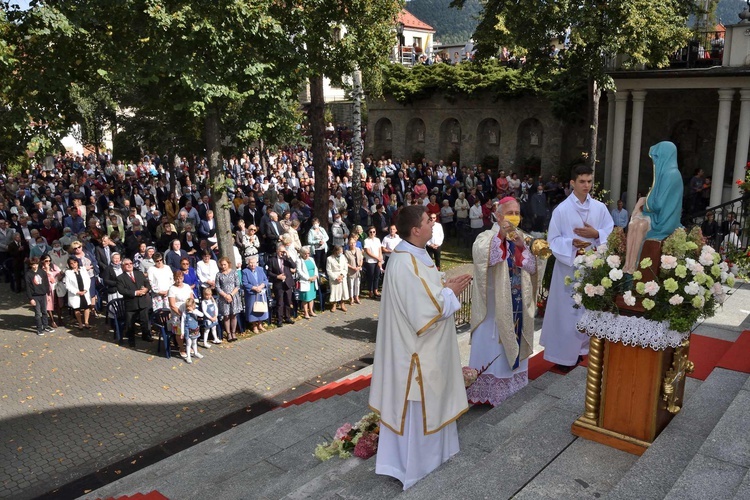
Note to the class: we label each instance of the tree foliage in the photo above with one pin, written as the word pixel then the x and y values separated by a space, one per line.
pixel 565 90
pixel 333 38
pixel 647 31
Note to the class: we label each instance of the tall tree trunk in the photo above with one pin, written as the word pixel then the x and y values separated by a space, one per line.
pixel 594 95
pixel 357 146
pixel 218 184
pixel 318 133
pixel 262 156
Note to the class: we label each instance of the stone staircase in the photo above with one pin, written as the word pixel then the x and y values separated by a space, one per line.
pixel 522 449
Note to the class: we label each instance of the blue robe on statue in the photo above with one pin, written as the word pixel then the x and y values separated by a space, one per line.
pixel 664 200
pixel 249 280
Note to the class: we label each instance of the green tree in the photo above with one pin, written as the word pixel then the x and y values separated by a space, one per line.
pixel 332 39
pixel 648 31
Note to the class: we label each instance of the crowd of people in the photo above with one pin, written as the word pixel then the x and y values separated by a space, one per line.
pixel 84 221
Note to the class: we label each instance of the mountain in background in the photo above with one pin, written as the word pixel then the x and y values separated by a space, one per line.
pixel 727 10
pixel 455 26
pixel 452 26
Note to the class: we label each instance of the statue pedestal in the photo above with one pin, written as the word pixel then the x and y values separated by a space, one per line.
pixel 635 381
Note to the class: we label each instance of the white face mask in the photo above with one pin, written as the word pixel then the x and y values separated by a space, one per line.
pixel 316 225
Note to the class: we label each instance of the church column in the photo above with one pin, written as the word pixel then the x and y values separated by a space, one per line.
pixel 743 142
pixel 610 135
pixel 621 109
pixel 720 149
pixel 634 162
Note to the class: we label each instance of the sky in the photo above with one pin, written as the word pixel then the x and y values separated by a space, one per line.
pixel 24 4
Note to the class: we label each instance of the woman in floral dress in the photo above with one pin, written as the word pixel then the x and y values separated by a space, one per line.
pixel 229 302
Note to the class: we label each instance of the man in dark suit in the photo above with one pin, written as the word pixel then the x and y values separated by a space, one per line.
pixel 207 227
pixel 280 270
pixel 272 231
pixel 104 253
pixel 134 288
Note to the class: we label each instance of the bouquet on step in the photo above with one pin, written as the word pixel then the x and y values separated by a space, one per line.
pixel 360 440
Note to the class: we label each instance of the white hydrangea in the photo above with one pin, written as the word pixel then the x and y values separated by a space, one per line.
pixel 615 274
pixel 676 299
pixel 628 298
pixel 668 262
pixel 652 288
pixel 577 298
pixel 588 260
pixel 600 290
pixel 706 259
pixel 578 260
pixel 614 261
pixel 692 288
pixel 589 290
pixel 693 266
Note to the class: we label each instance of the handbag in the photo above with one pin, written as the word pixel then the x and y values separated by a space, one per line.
pixel 260 305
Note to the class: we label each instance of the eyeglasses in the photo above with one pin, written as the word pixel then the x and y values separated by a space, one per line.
pixel 158 260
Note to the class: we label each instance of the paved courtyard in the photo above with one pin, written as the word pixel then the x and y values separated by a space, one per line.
pixel 74 401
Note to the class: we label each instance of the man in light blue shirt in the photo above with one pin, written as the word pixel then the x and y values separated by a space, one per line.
pixel 620 215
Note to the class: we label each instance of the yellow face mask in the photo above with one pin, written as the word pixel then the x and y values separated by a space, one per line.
pixel 513 219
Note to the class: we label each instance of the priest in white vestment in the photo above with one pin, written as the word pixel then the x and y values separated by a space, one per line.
pixel 417 384
pixel 578 223
pixel 502 308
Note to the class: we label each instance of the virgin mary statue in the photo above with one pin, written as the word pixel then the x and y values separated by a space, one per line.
pixel 656 215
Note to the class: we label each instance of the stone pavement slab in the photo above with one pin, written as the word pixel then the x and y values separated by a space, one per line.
pixel 74 401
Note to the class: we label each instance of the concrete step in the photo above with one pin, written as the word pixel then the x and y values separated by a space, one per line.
pixel 507 447
pixel 361 483
pixel 251 457
pixel 656 471
pixel 722 462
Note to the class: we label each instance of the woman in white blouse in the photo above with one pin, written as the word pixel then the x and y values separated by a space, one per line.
pixel 207 269
pixel 161 278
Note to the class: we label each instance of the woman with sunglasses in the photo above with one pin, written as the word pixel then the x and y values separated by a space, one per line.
pixel 373 261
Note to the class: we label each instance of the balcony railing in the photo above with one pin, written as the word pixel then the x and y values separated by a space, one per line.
pixel 706 49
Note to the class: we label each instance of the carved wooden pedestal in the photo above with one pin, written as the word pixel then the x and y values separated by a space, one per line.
pixel 631 394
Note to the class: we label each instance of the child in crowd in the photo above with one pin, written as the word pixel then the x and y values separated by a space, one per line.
pixel 210 317
pixel 190 328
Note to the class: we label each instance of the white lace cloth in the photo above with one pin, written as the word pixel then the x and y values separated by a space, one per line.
pixel 630 330
pixel 493 390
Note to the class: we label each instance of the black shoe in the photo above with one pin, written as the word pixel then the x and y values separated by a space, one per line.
pixel 289 321
pixel 279 324
pixel 148 339
pixel 564 368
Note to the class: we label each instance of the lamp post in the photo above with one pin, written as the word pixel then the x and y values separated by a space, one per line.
pixel 400 32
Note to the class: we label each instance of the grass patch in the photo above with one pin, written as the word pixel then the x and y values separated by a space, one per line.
pixel 454 253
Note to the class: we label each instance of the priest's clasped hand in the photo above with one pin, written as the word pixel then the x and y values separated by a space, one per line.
pixel 459 283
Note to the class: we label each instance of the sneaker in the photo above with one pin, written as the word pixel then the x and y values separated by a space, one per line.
pixel 198 355
pixel 41 334
pixel 49 329
pixel 189 361
pixel 206 345
pixel 217 341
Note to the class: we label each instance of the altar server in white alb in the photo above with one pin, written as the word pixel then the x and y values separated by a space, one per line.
pixel 578 223
pixel 502 308
pixel 417 384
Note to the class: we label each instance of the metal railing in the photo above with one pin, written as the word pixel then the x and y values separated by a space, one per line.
pixel 737 210
pixel 463 315
pixel 705 49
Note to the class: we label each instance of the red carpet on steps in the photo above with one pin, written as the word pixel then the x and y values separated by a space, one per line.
pixel 737 358
pixel 706 352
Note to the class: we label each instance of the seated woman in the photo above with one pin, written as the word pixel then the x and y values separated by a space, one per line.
pixel 657 215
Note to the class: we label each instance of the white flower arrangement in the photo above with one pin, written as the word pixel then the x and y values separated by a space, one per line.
pixel 689 285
